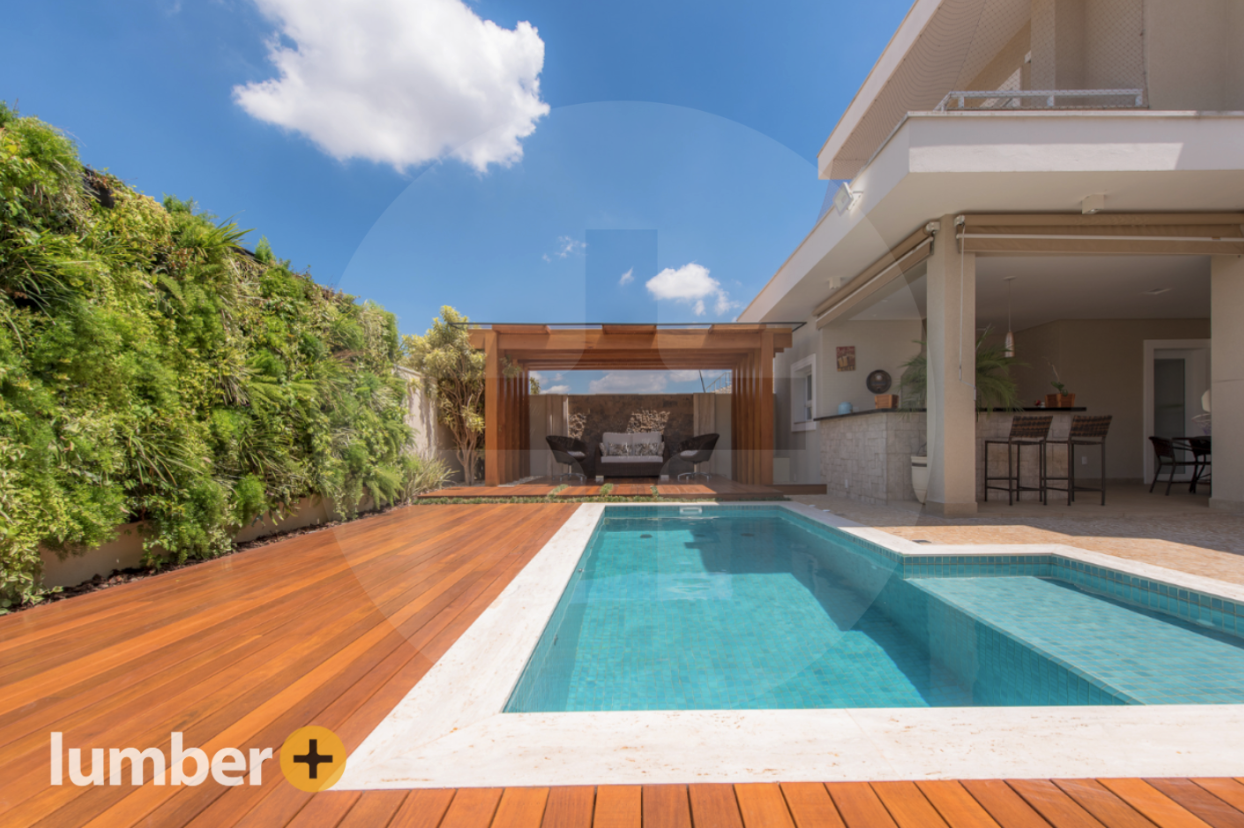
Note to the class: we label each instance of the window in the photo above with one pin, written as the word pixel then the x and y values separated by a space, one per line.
pixel 803 394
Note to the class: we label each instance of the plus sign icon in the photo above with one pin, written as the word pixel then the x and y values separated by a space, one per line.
pixel 313 759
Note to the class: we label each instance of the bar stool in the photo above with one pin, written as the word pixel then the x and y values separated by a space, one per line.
pixel 1026 430
pixel 1085 431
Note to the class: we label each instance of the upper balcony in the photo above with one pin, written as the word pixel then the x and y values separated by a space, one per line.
pixel 989 55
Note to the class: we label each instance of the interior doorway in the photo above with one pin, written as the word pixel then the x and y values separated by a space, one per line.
pixel 1177 375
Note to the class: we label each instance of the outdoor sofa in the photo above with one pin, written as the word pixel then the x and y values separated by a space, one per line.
pixel 618 455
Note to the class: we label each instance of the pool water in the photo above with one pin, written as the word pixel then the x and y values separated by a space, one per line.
pixel 758 609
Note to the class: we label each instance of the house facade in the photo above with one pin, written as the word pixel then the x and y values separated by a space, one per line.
pixel 1069 172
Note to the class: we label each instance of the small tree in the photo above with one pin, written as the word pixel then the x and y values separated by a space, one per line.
pixel 453 374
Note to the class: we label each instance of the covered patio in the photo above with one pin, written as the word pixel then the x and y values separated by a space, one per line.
pixel 746 350
pixel 1135 314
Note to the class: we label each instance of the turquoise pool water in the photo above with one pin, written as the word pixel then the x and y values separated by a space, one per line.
pixel 754 607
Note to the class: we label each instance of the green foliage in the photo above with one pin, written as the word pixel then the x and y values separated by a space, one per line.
pixel 994 386
pixel 151 370
pixel 453 374
pixel 1057 381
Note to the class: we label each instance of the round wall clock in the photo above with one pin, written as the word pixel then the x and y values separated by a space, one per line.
pixel 878 382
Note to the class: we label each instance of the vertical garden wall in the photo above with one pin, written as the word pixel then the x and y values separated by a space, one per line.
pixel 153 369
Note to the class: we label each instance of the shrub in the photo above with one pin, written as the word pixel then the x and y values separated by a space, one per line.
pixel 151 369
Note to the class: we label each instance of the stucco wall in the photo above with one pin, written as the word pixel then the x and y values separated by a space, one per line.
pixel 1102 361
pixel 800 448
pixel 1227 368
pixel 429 438
pixel 1193 54
pixel 878 345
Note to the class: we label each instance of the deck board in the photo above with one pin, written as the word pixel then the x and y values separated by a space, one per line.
pixel 1051 802
pixel 956 805
pixel 907 805
pixel 666 806
pixel 618 806
pixel 1160 809
pixel 1102 804
pixel 240 652
pixel 763 806
pixel 810 805
pixel 859 805
pixel 714 805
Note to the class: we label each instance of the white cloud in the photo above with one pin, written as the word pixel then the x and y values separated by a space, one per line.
pixel 558 377
pixel 627 277
pixel 630 382
pixel 537 376
pixel 566 246
pixel 639 382
pixel 558 389
pixel 400 82
pixel 691 284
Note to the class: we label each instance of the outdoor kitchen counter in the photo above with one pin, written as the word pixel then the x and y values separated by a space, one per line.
pixel 866 455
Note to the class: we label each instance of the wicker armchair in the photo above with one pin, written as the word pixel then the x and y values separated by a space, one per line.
pixel 571 452
pixel 697 450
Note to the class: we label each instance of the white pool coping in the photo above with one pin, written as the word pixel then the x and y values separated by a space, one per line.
pixel 450 731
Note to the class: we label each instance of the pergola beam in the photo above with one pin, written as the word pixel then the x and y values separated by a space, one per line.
pixel 745 350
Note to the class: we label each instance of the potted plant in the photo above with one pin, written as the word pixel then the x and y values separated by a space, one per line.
pixel 994 387
pixel 920 473
pixel 1062 399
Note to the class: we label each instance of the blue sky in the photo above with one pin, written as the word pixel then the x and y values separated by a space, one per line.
pixel 402 150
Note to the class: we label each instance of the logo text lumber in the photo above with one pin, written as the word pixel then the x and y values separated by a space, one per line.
pixel 228 766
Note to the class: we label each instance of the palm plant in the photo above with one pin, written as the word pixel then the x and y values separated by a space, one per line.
pixel 994 387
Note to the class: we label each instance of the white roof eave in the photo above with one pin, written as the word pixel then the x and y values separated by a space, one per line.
pixel 1012 161
pixel 917 18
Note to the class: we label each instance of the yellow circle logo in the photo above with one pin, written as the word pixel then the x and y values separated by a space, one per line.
pixel 313 759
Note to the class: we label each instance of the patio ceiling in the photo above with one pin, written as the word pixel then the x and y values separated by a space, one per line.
pixel 745 350
pixel 1050 239
pixel 1047 288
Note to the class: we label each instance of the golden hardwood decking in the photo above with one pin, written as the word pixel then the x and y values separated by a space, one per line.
pixel 334 628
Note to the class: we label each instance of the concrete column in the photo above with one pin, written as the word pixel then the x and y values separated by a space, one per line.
pixel 952 372
pixel 1227 381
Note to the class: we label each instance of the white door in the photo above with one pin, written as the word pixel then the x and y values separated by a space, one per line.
pixel 1177 375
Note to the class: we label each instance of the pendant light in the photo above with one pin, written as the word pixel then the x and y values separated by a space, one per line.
pixel 1009 346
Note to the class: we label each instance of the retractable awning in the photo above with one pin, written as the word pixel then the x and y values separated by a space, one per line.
pixel 902 258
pixel 1193 234
pixel 1123 234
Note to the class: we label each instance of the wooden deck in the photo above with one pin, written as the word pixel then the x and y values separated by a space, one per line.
pixel 334 628
pixel 717 488
pixel 1080 803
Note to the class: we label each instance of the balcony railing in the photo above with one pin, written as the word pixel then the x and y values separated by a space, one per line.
pixel 1042 99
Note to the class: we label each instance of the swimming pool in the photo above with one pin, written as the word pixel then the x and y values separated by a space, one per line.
pixel 735 608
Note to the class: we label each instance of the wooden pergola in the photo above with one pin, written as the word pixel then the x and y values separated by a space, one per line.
pixel 745 350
